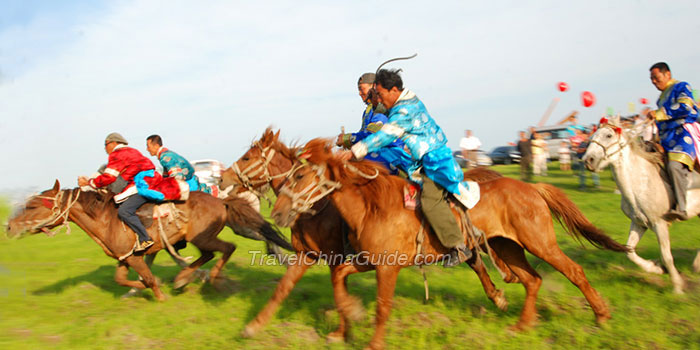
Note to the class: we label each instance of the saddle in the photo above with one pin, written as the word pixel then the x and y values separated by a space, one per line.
pixel 655 148
pixel 152 211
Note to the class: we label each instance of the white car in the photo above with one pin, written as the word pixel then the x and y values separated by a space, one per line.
pixel 208 171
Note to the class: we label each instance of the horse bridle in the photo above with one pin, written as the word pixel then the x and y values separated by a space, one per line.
pixel 260 166
pixel 56 212
pixel 303 200
pixel 620 145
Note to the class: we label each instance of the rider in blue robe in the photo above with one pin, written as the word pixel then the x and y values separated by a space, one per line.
pixel 393 156
pixel 431 161
pixel 676 110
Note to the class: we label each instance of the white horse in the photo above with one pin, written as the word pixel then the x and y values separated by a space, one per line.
pixel 646 193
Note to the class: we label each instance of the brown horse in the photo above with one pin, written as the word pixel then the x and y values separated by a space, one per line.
pixel 514 216
pixel 319 236
pixel 96 214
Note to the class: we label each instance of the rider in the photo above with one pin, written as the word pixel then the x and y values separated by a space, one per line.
pixel 373 118
pixel 175 165
pixel 127 162
pixel 676 109
pixel 432 161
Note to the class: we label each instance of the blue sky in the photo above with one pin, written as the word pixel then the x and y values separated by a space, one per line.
pixel 209 77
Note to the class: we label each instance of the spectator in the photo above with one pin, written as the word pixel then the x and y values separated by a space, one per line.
pixel 580 151
pixel 539 155
pixel 564 156
pixel 525 148
pixel 470 146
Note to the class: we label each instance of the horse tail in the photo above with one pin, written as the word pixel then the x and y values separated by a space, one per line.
pixel 573 220
pixel 241 215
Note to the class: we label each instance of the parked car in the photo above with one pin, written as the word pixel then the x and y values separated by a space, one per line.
pixel 505 155
pixel 482 159
pixel 208 171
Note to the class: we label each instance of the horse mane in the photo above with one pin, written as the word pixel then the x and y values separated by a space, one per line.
pixel 95 203
pixel 481 175
pixel 639 148
pixel 379 191
pixel 270 138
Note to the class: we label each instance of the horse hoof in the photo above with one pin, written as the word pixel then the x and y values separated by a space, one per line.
pixel 500 300
pixel 132 293
pixel 352 309
pixel 602 321
pixel 161 297
pixel 249 331
pixel 520 327
pixel 181 282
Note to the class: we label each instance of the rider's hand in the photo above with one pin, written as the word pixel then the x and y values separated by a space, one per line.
pixel 83 181
pixel 339 140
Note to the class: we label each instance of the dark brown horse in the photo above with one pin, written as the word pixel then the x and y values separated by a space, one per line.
pixel 314 237
pixel 514 216
pixel 96 214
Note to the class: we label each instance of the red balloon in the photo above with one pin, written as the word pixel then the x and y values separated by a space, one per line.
pixel 643 101
pixel 587 98
pixel 563 86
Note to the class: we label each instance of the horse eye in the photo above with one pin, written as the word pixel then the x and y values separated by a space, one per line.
pixel 299 176
pixel 609 136
pixel 245 159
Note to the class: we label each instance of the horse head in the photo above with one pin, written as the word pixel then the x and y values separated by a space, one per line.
pixel 259 165
pixel 39 214
pixel 307 183
pixel 605 145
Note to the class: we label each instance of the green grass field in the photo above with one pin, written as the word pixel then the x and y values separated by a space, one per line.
pixel 59 293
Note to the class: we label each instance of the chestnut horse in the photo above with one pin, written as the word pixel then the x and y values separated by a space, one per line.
pixel 267 163
pixel 514 216
pixel 96 214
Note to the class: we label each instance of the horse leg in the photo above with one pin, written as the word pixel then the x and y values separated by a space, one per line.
pixel 696 262
pixel 514 256
pixel 386 283
pixel 212 243
pixel 120 276
pixel 137 263
pixel 135 290
pixel 496 295
pixel 661 229
pixel 296 269
pixel 186 275
pixel 553 255
pixel 349 307
pixel 635 235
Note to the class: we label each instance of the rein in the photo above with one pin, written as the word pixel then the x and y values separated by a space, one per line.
pixel 303 200
pixel 56 213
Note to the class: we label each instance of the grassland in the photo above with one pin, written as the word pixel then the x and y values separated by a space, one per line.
pixel 59 293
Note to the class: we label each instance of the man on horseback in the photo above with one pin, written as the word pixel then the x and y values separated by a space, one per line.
pixel 677 110
pixel 129 163
pixel 432 162
pixel 373 118
pixel 176 166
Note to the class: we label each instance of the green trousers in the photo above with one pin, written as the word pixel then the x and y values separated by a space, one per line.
pixel 433 201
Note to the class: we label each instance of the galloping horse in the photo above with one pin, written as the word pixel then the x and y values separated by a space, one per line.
pixel 514 216
pixel 314 236
pixel 646 193
pixel 96 214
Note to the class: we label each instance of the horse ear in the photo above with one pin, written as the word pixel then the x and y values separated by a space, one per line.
pixel 56 186
pixel 277 135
